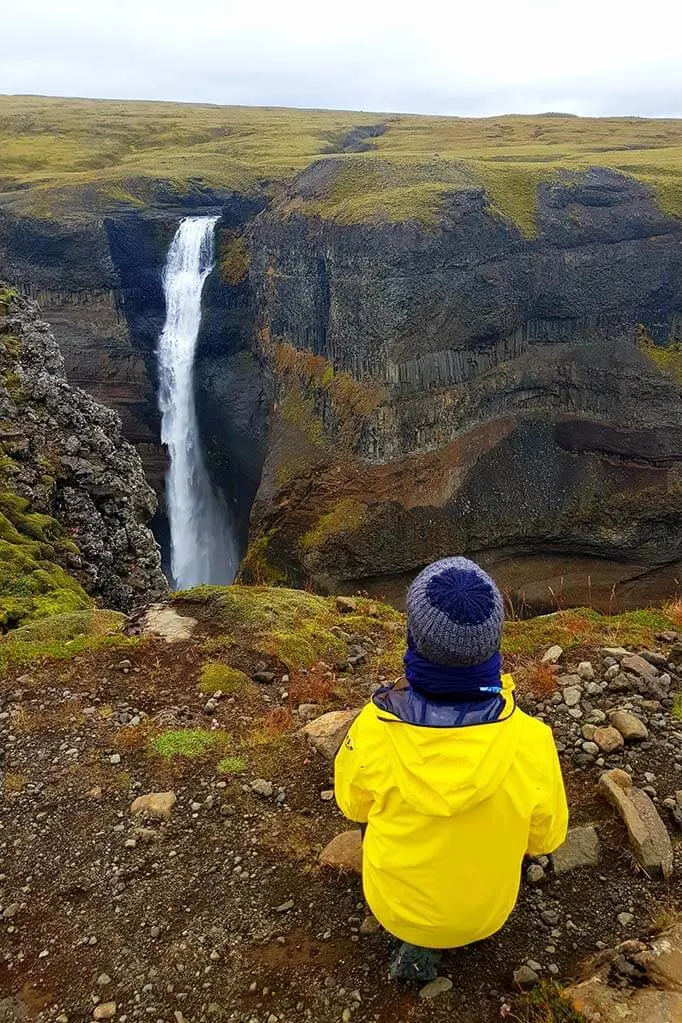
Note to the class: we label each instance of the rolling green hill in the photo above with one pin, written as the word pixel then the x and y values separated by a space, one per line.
pixel 62 158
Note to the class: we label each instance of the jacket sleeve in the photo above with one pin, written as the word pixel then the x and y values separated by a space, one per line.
pixel 549 821
pixel 351 772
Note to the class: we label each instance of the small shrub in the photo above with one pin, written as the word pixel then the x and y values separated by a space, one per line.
pixel 546 1004
pixel 232 765
pixel 218 677
pixel 185 742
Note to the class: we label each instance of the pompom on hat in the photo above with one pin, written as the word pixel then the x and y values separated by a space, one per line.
pixel 455 613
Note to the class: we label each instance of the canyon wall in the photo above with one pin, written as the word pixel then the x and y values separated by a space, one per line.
pixel 386 393
pixel 510 403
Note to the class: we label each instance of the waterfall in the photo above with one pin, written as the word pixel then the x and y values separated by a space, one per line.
pixel 202 546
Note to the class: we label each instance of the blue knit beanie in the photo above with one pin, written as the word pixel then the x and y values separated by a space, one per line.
pixel 455 613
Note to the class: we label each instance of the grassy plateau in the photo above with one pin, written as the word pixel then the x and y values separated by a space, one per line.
pixel 72 158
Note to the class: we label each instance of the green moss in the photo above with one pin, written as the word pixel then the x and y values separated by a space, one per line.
pixel 667 357
pixel 7 297
pixel 185 742
pixel 63 627
pixel 32 588
pixel 30 653
pixel 347 516
pixel 258 565
pixel 233 258
pixel 289 625
pixel 218 677
pixel 677 706
pixel 232 765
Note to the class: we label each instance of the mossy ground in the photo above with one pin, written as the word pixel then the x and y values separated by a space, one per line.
pixel 65 156
pixel 217 677
pixel 584 627
pixel 32 585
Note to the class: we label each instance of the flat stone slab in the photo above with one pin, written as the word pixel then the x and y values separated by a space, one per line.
pixel 636 665
pixel 581 849
pixel 162 620
pixel 327 732
pixel 648 835
pixel 344 852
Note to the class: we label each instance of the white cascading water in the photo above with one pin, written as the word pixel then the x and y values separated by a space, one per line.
pixel 202 546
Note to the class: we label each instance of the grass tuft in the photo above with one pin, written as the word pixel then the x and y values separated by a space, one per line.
pixel 232 765
pixel 185 742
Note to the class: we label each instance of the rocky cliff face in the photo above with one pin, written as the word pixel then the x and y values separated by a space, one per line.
pixel 65 456
pixel 390 392
pixel 506 398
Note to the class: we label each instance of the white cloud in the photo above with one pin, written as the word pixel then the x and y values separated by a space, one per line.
pixel 584 56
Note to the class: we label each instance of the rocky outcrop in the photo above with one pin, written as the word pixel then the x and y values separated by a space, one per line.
pixel 65 455
pixel 638 981
pixel 510 405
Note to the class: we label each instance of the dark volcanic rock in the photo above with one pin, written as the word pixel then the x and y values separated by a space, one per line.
pixel 516 418
pixel 67 457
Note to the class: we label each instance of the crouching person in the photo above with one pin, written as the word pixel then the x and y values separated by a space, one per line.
pixel 454 784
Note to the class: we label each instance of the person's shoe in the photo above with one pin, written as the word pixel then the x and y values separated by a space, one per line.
pixel 415 965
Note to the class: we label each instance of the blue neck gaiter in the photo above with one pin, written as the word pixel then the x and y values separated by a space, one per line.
pixel 441 680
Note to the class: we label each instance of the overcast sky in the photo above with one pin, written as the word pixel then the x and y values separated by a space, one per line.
pixel 426 56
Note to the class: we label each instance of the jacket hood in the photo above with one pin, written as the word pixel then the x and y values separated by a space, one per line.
pixel 443 770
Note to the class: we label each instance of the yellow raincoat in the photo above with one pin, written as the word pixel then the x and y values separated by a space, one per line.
pixel 451 812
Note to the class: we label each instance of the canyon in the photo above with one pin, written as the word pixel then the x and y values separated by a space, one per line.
pixel 421 336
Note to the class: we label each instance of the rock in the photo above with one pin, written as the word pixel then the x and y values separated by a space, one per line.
pixel 591 749
pixel 617 652
pixel 344 852
pixel 327 732
pixel 586 671
pixel 264 678
pixel 581 849
pixel 593 689
pixel 156 804
pixel 370 925
pixel 625 919
pixel 553 655
pixel 115 759
pixel 103 980
pixel 636 665
pixel 572 696
pixel 608 739
pixel 105 1010
pixel 654 997
pixel 262 787
pixel 436 987
pixel 346 605
pixel 525 977
pixel 307 711
pixel 646 831
pixel 164 621
pixel 629 726
pixel 535 874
